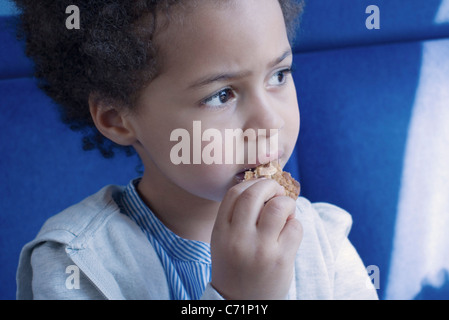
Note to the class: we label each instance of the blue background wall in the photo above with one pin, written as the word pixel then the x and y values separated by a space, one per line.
pixel 6 8
pixel 360 93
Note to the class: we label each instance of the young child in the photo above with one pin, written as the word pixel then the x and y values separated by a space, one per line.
pixel 138 72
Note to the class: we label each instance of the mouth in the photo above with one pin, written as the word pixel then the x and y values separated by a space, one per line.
pixel 240 176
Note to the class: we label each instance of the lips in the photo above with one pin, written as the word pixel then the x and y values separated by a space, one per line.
pixel 267 159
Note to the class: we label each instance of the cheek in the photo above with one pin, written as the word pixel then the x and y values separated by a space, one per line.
pixel 292 119
pixel 208 181
pixel 296 121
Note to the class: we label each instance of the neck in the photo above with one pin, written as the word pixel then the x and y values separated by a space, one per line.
pixel 190 217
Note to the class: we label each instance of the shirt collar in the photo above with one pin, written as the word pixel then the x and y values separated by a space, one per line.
pixel 175 246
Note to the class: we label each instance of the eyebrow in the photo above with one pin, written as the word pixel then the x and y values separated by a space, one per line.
pixel 220 77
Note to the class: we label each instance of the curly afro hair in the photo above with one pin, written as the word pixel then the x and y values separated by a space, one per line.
pixel 108 56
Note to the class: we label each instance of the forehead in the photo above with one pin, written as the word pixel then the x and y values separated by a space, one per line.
pixel 221 34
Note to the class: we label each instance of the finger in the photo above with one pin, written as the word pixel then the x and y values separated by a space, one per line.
pixel 291 235
pixel 274 216
pixel 251 202
pixel 228 203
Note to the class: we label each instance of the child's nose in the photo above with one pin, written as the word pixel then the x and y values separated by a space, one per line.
pixel 263 113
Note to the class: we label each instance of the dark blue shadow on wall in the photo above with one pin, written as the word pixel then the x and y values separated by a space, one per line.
pixel 438 292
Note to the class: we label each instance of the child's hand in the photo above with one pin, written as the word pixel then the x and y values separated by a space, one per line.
pixel 254 242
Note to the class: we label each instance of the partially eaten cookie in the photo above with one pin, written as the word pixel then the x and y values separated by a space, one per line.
pixel 273 171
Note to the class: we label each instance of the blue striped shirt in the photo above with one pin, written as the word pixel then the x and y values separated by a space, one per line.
pixel 187 263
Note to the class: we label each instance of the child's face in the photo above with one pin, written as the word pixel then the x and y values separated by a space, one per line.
pixel 225 66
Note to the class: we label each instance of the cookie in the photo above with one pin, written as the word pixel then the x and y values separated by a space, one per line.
pixel 272 170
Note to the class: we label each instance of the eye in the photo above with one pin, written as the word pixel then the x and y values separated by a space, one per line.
pixel 280 77
pixel 219 99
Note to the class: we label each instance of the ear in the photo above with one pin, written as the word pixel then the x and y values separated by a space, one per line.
pixel 111 121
